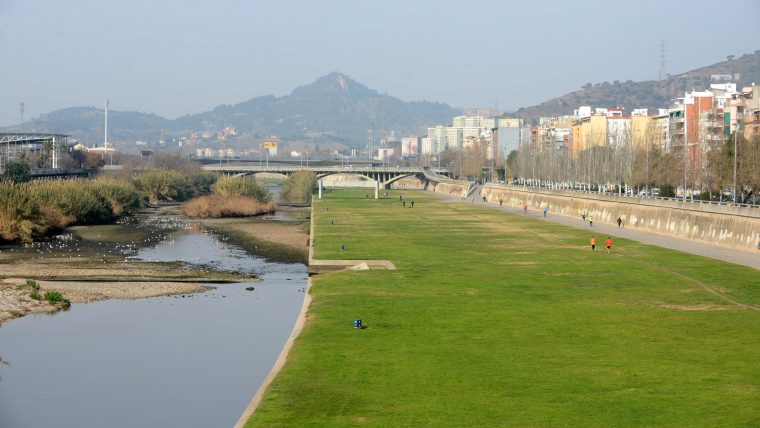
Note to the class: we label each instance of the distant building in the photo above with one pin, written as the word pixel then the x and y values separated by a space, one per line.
pixel 410 146
pixel 43 149
pixel 385 153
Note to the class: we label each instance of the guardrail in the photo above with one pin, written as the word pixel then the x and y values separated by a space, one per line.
pixel 349 169
pixel 640 197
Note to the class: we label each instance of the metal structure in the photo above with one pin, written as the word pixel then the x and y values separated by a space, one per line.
pixel 42 150
pixel 385 176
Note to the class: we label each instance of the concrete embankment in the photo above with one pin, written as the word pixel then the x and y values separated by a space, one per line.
pixel 459 189
pixel 725 225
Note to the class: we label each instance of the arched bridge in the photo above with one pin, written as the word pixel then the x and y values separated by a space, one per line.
pixel 383 175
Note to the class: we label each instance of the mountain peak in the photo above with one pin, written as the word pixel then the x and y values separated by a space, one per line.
pixel 335 82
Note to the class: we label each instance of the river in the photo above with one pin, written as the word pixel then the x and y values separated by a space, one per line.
pixel 190 361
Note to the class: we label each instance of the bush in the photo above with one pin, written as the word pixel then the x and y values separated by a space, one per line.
pixel 226 206
pixel 53 297
pixel 241 186
pixel 35 295
pixel 17 170
pixel 164 185
pixel 20 215
pixel 122 195
pixel 79 200
pixel 299 186
pixel 203 182
pixel 29 283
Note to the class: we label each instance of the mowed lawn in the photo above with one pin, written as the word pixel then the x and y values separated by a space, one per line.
pixel 494 319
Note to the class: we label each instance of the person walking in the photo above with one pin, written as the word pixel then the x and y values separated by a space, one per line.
pixel 500 202
pixel 546 209
pixel 583 216
pixel 412 204
pixel 525 208
pixel 592 241
pixel 619 221
pixel 591 220
pixel 608 244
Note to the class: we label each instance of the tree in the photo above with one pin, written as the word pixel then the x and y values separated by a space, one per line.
pixel 79 157
pixel 93 160
pixel 17 170
pixel 173 161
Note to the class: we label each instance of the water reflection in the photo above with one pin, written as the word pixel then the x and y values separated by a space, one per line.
pixel 191 361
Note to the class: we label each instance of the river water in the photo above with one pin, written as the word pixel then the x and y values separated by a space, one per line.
pixel 190 361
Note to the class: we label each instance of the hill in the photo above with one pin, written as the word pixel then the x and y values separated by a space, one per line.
pixel 646 94
pixel 334 108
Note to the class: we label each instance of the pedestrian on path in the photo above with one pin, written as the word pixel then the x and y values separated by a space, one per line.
pixel 412 204
pixel 608 244
pixel 591 220
pixel 500 202
pixel 525 208
pixel 583 216
pixel 592 241
pixel 404 202
pixel 620 222
pixel 546 209
pixel 484 198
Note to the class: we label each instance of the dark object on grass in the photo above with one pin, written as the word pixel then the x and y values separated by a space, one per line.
pixel 358 324
pixel 342 247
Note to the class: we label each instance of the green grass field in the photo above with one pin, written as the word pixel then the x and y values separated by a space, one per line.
pixel 495 319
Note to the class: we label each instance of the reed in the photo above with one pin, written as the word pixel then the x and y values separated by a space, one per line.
pixel 226 206
pixel 299 186
pixel 241 186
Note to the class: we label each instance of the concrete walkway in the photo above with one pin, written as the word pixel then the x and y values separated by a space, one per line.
pixel 740 257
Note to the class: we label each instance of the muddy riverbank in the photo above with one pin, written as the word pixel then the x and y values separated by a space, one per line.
pixel 91 263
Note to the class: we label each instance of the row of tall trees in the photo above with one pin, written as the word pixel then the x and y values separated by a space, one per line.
pixel 620 167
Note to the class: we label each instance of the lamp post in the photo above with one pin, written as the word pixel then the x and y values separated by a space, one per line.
pixel 736 149
pixel 21 109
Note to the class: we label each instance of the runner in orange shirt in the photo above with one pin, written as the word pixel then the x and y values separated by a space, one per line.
pixel 608 244
pixel 593 243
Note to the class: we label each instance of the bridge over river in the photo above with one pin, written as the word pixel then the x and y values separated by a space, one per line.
pixel 383 176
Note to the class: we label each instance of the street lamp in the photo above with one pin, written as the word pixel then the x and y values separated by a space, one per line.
pixel 736 149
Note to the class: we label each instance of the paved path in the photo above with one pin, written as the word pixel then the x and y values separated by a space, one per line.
pixel 740 257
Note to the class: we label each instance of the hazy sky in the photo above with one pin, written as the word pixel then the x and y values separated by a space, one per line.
pixel 178 57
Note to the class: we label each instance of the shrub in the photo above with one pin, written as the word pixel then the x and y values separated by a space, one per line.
pixel 241 186
pixel 32 284
pixel 164 185
pixel 29 283
pixel 78 199
pixel 17 170
pixel 121 194
pixel 299 186
pixel 20 215
pixel 226 206
pixel 53 297
pixel 203 182
pixel 35 295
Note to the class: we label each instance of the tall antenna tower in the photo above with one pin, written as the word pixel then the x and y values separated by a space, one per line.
pixel 662 60
pixel 105 133
pixel 21 109
pixel 369 142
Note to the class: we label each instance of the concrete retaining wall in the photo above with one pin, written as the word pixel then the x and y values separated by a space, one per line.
pixel 459 190
pixel 725 225
pixel 408 183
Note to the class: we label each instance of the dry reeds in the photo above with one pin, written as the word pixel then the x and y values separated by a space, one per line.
pixel 226 206
pixel 30 210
